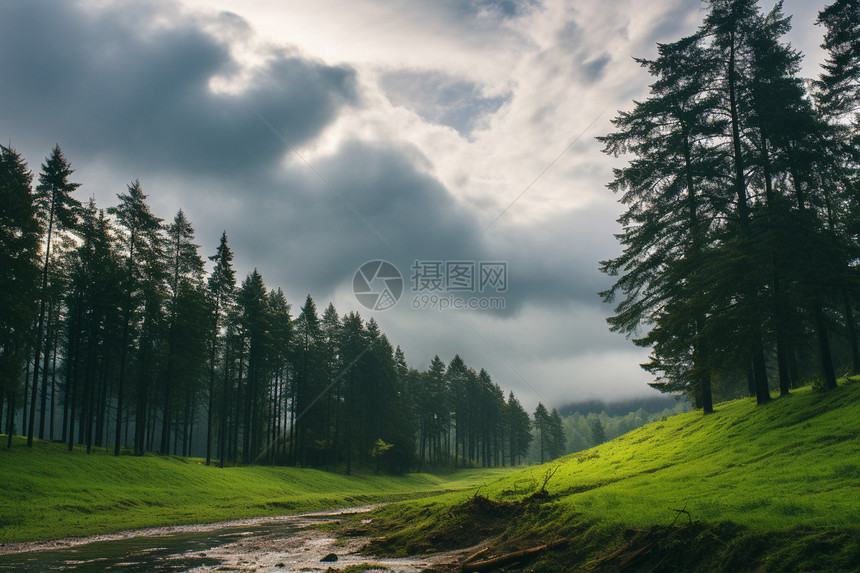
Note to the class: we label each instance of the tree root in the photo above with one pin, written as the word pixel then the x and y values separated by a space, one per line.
pixel 509 558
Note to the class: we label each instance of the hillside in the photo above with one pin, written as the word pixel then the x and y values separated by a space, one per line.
pixel 49 492
pixel 756 483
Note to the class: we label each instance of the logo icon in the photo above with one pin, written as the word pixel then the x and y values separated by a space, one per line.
pixel 377 285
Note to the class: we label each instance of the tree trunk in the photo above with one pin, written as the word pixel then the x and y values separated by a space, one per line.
pixel 757 348
pixel 43 402
pixel 824 349
pixel 41 326
pixel 852 333
pixel 11 420
pixel 222 423
pixel 53 389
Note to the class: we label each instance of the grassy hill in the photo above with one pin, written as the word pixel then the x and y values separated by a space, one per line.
pixel 765 485
pixel 762 488
pixel 48 492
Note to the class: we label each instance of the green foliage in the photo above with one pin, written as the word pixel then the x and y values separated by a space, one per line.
pixel 142 342
pixel 597 434
pixel 740 196
pixel 51 493
pixel 19 269
pixel 579 428
pixel 786 465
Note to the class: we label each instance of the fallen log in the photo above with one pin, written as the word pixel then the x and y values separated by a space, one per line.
pixel 509 558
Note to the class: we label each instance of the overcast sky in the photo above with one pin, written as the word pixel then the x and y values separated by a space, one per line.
pixel 323 134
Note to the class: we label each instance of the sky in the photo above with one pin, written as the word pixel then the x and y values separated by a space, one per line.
pixel 321 135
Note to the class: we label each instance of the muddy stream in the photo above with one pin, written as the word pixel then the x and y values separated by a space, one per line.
pixel 277 544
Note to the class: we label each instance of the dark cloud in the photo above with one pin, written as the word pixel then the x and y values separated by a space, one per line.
pixel 501 9
pixel 507 8
pixel 557 262
pixel 127 90
pixel 306 236
pixel 314 230
pixel 594 68
pixel 138 90
pixel 440 98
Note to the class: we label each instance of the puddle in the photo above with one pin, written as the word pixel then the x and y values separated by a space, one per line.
pixel 281 544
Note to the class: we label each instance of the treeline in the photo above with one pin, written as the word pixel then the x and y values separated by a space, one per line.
pixel 740 238
pixel 113 335
pixel 591 429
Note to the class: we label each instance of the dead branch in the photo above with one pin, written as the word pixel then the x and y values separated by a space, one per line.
pixel 678 513
pixel 509 558
pixel 632 557
pixel 548 476
pixel 474 556
pixel 601 560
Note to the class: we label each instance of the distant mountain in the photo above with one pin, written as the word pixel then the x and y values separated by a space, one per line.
pixel 619 408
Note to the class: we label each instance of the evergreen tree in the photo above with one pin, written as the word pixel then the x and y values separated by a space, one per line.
pixel 542 427
pixel 519 425
pixel 93 301
pixel 558 440
pixel 331 365
pixel 281 338
pixel 185 271
pixel 667 225
pixel 307 382
pixel 58 210
pixel 19 254
pixel 253 330
pixel 839 85
pixel 457 381
pixel 838 97
pixel 597 434
pixel 143 243
pixel 222 287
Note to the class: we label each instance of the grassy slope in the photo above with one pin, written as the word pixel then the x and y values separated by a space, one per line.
pixel 791 465
pixel 793 462
pixel 48 492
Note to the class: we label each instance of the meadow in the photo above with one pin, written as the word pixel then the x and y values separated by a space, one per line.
pixel 49 492
pixel 775 486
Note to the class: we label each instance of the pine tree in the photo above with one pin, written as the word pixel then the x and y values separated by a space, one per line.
pixel 667 224
pixel 519 425
pixel 222 287
pixel 558 440
pixel 19 255
pixel 839 85
pixel 93 301
pixel 143 244
pixel 330 327
pixel 185 271
pixel 307 381
pixel 541 426
pixel 58 210
pixel 597 434
pixel 280 338
pixel 354 347
pixel 254 319
pixel 838 98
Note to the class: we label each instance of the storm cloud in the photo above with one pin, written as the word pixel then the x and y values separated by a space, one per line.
pixel 328 134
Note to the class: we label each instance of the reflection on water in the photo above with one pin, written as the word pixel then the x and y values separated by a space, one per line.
pixel 174 552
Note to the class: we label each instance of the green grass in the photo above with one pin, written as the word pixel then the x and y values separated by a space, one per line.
pixel 793 462
pixel 789 469
pixel 785 476
pixel 48 492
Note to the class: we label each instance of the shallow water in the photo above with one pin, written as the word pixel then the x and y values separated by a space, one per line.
pixel 173 552
pixel 281 544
